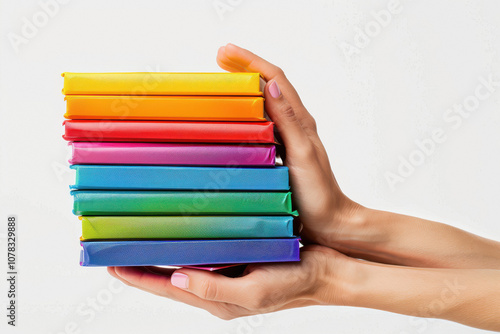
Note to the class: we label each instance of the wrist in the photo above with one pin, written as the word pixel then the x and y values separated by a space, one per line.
pixel 342 221
pixel 356 229
pixel 368 234
pixel 337 282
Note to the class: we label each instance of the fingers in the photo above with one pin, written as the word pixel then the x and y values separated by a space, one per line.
pixel 251 62
pixel 286 120
pixel 265 288
pixel 227 64
pixel 213 286
pixel 236 59
pixel 111 271
pixel 160 270
pixel 143 279
pixel 307 161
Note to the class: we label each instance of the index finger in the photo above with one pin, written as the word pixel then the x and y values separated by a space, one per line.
pixel 232 56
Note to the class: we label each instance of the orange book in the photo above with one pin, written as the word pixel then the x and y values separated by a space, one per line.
pixel 200 108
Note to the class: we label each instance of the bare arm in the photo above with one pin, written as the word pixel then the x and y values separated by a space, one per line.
pixel 467 296
pixel 398 239
pixel 327 277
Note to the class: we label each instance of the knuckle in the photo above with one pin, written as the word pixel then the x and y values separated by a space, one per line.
pixel 278 71
pixel 287 111
pixel 208 290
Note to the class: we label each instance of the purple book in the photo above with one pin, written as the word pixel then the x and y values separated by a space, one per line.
pixel 188 252
pixel 172 154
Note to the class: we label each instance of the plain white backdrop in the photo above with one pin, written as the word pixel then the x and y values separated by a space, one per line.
pixel 373 94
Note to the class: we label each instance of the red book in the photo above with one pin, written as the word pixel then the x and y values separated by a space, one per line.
pixel 169 131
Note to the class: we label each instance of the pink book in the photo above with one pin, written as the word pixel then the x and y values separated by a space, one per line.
pixel 172 154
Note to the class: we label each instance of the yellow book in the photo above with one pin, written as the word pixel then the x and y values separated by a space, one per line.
pixel 156 83
pixel 173 108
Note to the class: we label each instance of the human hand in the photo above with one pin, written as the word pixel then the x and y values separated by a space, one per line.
pixel 263 287
pixel 327 277
pixel 330 218
pixel 324 210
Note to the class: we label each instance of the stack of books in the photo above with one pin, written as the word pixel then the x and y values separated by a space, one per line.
pixel 176 169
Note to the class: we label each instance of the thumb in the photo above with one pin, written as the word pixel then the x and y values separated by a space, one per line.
pixel 283 115
pixel 211 286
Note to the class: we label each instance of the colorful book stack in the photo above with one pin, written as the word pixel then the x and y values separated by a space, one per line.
pixel 176 169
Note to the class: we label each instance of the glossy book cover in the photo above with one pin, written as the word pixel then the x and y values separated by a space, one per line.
pixel 172 203
pixel 120 177
pixel 188 252
pixel 173 154
pixel 192 108
pixel 158 83
pixel 169 131
pixel 185 227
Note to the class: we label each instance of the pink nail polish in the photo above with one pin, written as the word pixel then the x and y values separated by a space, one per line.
pixel 274 90
pixel 180 280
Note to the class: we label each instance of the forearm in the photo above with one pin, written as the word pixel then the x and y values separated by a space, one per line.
pixel 398 239
pixel 468 296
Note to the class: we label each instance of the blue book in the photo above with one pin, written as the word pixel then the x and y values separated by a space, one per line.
pixel 180 178
pixel 188 252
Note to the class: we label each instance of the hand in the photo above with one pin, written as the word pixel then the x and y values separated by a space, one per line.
pixel 324 210
pixel 263 287
pixel 326 277
pixel 331 219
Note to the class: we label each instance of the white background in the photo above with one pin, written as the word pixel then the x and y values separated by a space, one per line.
pixel 370 110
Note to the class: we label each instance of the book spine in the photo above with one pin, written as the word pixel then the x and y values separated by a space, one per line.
pixel 180 178
pixel 155 83
pixel 172 203
pixel 168 131
pixel 185 227
pixel 188 252
pixel 165 108
pixel 173 154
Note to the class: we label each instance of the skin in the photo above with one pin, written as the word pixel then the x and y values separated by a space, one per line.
pixel 411 266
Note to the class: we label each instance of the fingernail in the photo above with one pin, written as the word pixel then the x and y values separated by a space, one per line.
pixel 180 280
pixel 274 90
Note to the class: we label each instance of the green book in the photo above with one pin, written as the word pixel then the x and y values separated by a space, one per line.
pixel 186 227
pixel 184 203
